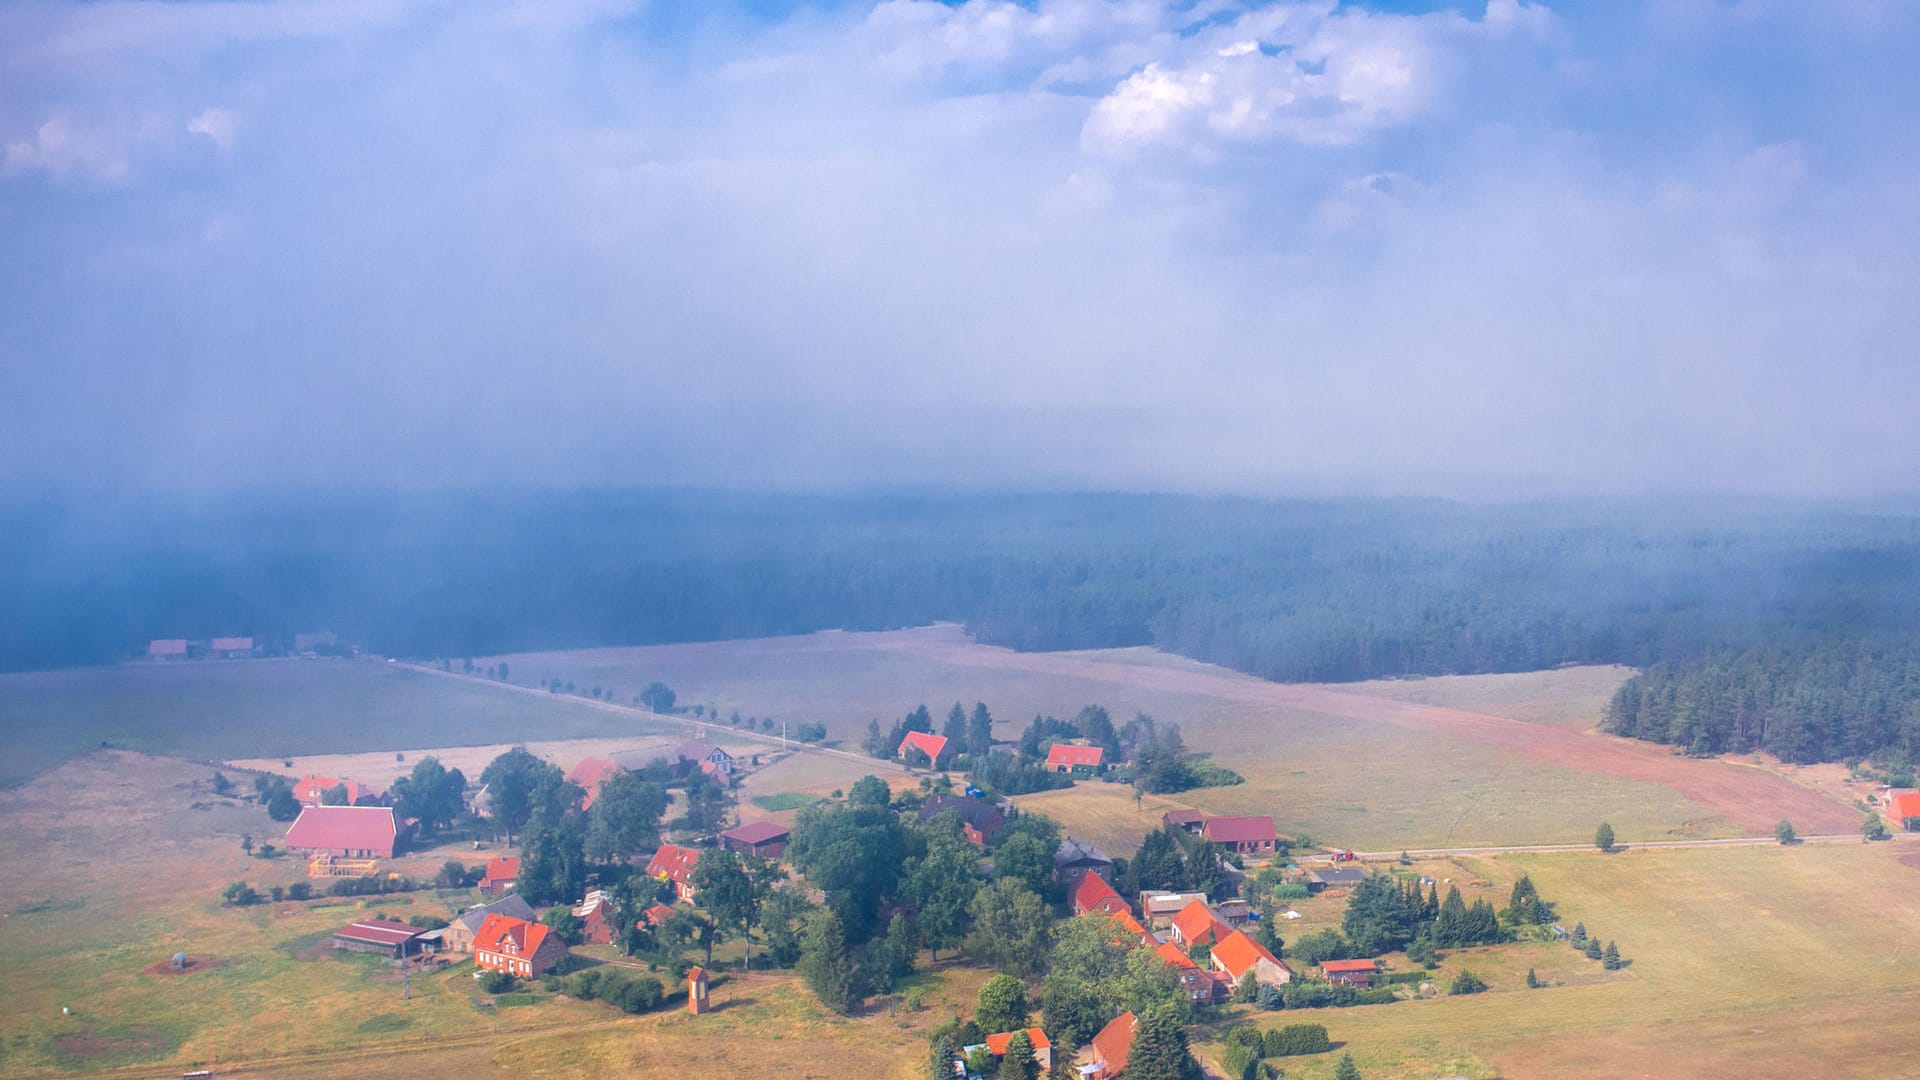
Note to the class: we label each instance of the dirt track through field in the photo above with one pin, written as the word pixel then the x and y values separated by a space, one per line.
pixel 1750 797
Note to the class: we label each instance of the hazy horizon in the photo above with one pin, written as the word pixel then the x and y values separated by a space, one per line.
pixel 1486 250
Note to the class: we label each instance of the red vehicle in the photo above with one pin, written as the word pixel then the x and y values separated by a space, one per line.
pixel 1343 855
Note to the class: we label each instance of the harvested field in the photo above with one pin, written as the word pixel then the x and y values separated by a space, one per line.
pixel 1334 762
pixel 381 768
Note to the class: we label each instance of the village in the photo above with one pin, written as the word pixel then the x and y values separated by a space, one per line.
pixel 1204 902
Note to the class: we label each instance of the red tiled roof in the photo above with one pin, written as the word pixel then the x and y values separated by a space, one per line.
pixel 1115 1042
pixel 504 868
pixel 379 932
pixel 1901 805
pixel 997 1044
pixel 589 774
pixel 673 862
pixel 1197 922
pixel 1238 830
pixel 311 788
pixel 759 832
pixel 930 745
pixel 1172 955
pixel 1094 894
pixel 1070 756
pixel 656 915
pixel 1349 965
pixel 346 828
pixel 499 930
pixel 1237 953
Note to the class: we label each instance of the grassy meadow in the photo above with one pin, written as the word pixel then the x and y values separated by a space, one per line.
pixel 272 709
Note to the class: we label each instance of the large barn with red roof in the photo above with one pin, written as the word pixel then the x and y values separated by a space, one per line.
pixel 354 832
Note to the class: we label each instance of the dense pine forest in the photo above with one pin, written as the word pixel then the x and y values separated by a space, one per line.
pixel 1785 627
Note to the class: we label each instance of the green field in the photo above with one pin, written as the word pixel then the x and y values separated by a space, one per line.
pixel 271 708
pixel 1745 962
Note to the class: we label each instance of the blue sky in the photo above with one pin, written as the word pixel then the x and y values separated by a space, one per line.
pixel 1488 249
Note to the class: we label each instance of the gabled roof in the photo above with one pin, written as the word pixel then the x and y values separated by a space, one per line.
pixel 1094 894
pixel 1173 956
pixel 348 828
pixel 698 750
pixel 673 862
pixel 589 774
pixel 1115 1042
pixel 759 832
pixel 1238 953
pixel 503 868
pixel 1183 817
pixel 1197 922
pixel 502 934
pixel 655 915
pixel 978 813
pixel 379 932
pixel 1331 966
pixel 1073 851
pixel 313 786
pixel 930 745
pixel 512 905
pixel 1902 803
pixel 1167 903
pixel 997 1044
pixel 1070 756
pixel 594 898
pixel 1238 830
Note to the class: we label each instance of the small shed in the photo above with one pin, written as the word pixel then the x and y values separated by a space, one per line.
pixel 383 936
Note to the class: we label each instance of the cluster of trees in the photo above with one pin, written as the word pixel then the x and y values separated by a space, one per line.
pixel 1383 915
pixel 1174 860
pixel 969 735
pixel 1804 702
pixel 1161 764
pixel 1589 945
pixel 628 992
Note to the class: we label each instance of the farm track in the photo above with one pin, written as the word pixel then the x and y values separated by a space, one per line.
pixel 697 726
pixel 1619 849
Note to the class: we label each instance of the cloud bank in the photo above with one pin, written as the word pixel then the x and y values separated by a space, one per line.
pixel 1503 248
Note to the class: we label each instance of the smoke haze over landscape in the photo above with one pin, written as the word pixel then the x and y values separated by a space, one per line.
pixel 1493 249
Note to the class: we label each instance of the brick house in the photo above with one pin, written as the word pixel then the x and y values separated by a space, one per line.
pixel 590 773
pixel 1352 972
pixel 1200 984
pixel 1042 1046
pixel 1111 1047
pixel 501 874
pixel 596 917
pixel 1237 954
pixel 979 819
pixel 1078 760
pixel 1245 835
pixel 517 947
pixel 675 863
pixel 1075 859
pixel 1196 924
pixel 459 934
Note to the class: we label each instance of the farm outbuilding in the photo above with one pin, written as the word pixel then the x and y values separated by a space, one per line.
pixel 353 832
pixel 1246 835
pixel 763 839
pixel 383 936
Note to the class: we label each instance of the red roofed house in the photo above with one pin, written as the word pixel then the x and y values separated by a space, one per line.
pixel 516 946
pixel 353 832
pixel 1351 972
pixel 1237 954
pixel 1246 835
pixel 1084 760
pixel 596 916
pixel 1903 809
pixel 232 648
pixel 312 790
pixel 1094 894
pixel 1042 1046
pixel 704 756
pixel 762 838
pixel 167 649
pixel 929 745
pixel 1111 1047
pixel 1200 985
pixel 589 774
pixel 1196 924
pixel 655 915
pixel 501 874
pixel 1132 928
pixel 1190 820
pixel 384 936
pixel 675 863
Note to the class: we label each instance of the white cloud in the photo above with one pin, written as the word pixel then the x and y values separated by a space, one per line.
pixel 220 125
pixel 64 147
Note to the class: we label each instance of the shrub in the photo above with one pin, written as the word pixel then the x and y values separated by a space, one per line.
pixel 1307 994
pixel 1467 983
pixel 299 890
pixel 241 894
pixel 1290 890
pixel 1783 832
pixel 1297 1039
pixel 1242 1061
pixel 637 994
pixel 1271 999
pixel 1321 945
pixel 495 982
